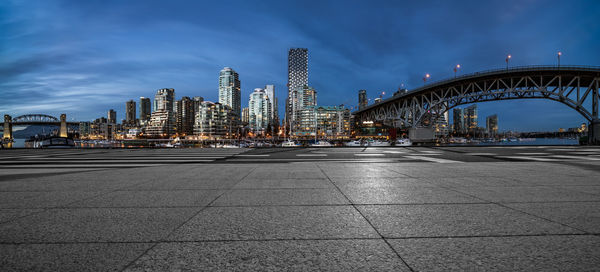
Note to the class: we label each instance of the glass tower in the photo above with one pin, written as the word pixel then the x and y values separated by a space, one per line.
pixel 230 90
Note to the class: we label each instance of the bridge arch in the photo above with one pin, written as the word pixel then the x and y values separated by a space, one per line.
pixel 35 118
pixel 574 86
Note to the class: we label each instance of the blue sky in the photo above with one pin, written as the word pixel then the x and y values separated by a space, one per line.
pixel 85 57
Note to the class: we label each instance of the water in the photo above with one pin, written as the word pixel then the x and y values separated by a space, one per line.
pixel 20 143
pixel 534 141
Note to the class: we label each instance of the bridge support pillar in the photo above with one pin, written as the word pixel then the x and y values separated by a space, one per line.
pixel 421 134
pixel 63 126
pixel 594 132
pixel 7 134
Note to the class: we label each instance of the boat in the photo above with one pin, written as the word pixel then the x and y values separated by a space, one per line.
pixel 403 142
pixel 289 143
pixel 51 142
pixel 322 144
pixel 379 143
pixel 354 143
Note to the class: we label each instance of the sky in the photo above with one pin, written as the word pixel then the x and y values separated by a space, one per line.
pixel 83 58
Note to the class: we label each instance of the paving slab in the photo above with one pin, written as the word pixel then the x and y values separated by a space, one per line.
pixel 173 198
pixel 526 253
pixel 95 225
pixel 582 215
pixel 322 255
pixel 281 197
pixel 375 182
pixel 27 200
pixel 527 194
pixel 69 257
pixel 11 214
pixel 406 195
pixel 395 221
pixel 284 183
pixel 282 222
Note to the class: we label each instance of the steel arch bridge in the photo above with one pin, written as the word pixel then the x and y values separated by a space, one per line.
pixel 34 119
pixel 574 86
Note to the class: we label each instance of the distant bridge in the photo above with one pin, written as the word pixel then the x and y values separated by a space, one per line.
pixel 35 119
pixel 574 86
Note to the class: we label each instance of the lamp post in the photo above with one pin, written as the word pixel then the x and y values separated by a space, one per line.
pixel 558 56
pixel 456 69
pixel 507 59
pixel 427 76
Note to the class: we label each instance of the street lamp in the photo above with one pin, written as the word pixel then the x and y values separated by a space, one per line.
pixel 507 59
pixel 558 56
pixel 427 76
pixel 456 69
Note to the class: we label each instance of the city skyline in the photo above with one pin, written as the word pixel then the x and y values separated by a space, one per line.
pixel 50 66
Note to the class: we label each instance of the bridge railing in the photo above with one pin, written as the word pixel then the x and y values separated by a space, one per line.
pixel 489 72
pixel 511 69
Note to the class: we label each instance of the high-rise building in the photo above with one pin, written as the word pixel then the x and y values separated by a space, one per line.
pixel 161 124
pixel 275 109
pixel 162 120
pixel 304 99
pixel 164 100
pixel 230 90
pixel 491 124
pixel 145 109
pixel 270 91
pixel 130 113
pixel 297 76
pixel 112 116
pixel 471 118
pixel 185 116
pixel 245 116
pixel 259 113
pixel 458 116
pixel 197 100
pixel 215 121
pixel 362 99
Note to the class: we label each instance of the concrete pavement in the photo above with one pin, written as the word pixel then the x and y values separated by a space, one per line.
pixel 391 209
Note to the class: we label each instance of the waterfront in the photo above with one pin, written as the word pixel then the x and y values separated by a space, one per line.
pixel 20 143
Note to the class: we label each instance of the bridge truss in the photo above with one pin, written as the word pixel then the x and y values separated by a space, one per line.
pixel 576 87
pixel 35 118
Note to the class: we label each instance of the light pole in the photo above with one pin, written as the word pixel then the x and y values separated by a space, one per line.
pixel 427 76
pixel 558 56
pixel 456 69
pixel 507 59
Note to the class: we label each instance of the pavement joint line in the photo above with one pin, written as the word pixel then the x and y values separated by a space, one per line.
pixel 366 219
pixel 187 220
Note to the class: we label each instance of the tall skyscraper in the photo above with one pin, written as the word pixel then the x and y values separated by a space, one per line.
pixel 259 113
pixel 145 109
pixel 362 99
pixel 130 112
pixel 164 100
pixel 297 76
pixel 458 116
pixel 112 116
pixel 491 124
pixel 270 91
pixel 230 90
pixel 185 116
pixel 471 118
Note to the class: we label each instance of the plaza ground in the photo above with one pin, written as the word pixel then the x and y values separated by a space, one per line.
pixel 339 209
